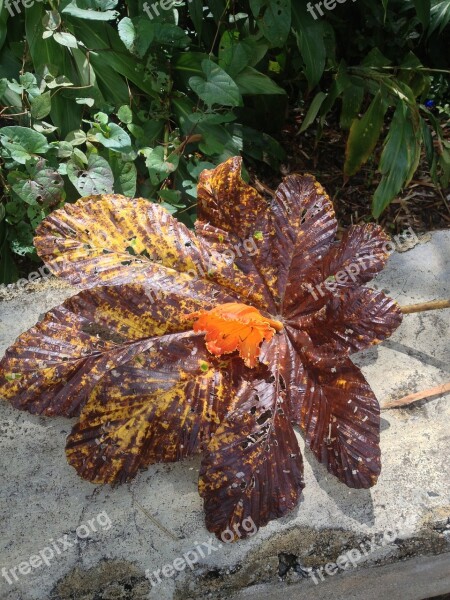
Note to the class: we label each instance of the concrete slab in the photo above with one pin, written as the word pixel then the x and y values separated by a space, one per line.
pixel 45 505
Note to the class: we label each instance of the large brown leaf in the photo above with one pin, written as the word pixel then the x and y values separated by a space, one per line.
pixel 340 417
pixel 52 367
pixel 162 406
pixel 353 320
pixel 253 466
pixel 263 277
pixel 289 234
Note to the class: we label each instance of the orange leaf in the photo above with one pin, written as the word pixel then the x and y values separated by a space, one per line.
pixel 233 326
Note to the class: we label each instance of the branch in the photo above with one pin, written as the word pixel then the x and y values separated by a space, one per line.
pixel 423 306
pixel 436 391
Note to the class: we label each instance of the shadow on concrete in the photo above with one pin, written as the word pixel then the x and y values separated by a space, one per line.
pixel 357 504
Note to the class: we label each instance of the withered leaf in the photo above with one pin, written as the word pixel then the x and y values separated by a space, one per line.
pixel 253 465
pixel 52 367
pixel 161 406
pixel 149 388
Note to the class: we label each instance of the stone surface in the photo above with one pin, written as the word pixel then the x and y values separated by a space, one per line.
pixel 400 528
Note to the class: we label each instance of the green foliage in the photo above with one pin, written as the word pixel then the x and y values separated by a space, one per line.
pixel 102 96
pixel 380 75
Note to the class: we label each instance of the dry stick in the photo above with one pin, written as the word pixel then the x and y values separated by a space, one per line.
pixel 436 391
pixel 156 522
pixel 423 306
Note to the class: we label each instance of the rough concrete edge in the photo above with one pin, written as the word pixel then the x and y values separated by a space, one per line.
pixel 407 580
pixel 262 566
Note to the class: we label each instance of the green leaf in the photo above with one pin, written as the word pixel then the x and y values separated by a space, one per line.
pixel 168 34
pixel 76 138
pixel 423 9
pixel 310 41
pixel 364 134
pixel 259 145
pixel 125 115
pixel 125 175
pixel 196 13
pixel 440 17
pixel 127 32
pixel 89 14
pixel 275 21
pixel 173 197
pixel 352 99
pixel 234 56
pixel 375 58
pixel 399 159
pixel 51 20
pixel 95 178
pixel 313 111
pixel 21 143
pixel 41 106
pixel 115 138
pixel 216 87
pixel 65 39
pixel 159 167
pixel 250 81
pixel 65 149
pixel 44 186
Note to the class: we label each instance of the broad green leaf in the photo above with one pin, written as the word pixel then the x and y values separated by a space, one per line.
pixel 252 82
pixel 51 20
pixel 21 143
pixel 125 175
pixel 76 138
pixel 363 136
pixel 127 32
pixel 196 13
pixel 73 10
pixel 145 36
pixel 41 106
pixel 95 178
pixel 216 86
pixel 158 166
pixel 44 186
pixel 115 138
pixel 234 56
pixel 275 20
pixel 125 115
pixel 375 58
pixel 171 35
pixel 65 39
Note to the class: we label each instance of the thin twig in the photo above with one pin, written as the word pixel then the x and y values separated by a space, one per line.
pixel 156 522
pixel 436 391
pixel 424 306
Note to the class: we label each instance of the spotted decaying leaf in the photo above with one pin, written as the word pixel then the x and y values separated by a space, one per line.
pixel 217 341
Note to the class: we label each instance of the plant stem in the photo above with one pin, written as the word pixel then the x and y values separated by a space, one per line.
pixel 423 306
